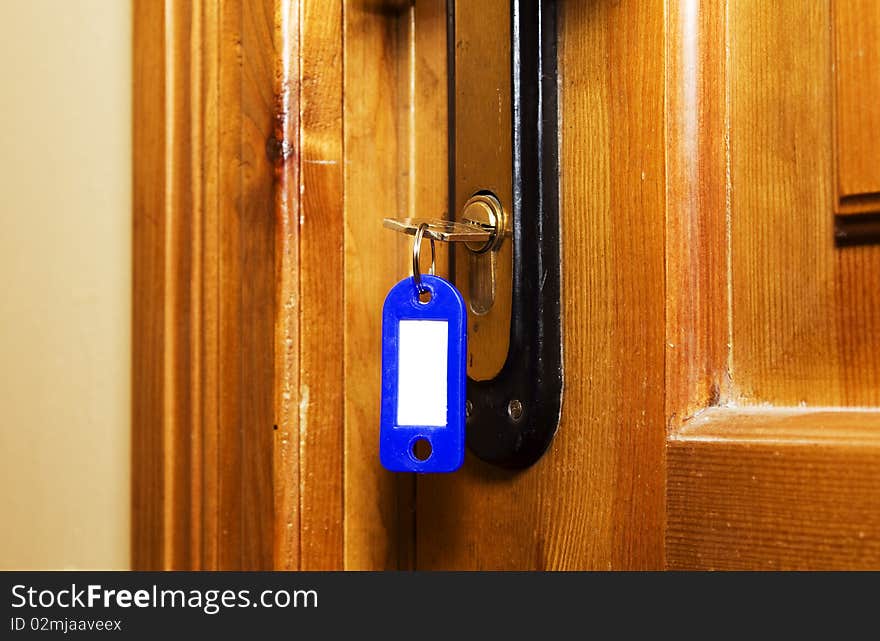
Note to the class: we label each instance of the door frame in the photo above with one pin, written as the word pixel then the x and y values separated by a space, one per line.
pixel 259 267
pixel 222 477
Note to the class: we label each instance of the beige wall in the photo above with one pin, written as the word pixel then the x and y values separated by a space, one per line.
pixel 65 283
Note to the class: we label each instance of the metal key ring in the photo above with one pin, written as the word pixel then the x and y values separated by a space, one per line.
pixel 417 250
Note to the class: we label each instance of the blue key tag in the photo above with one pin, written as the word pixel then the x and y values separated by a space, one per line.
pixel 424 346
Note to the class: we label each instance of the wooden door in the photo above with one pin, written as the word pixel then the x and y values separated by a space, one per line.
pixel 721 289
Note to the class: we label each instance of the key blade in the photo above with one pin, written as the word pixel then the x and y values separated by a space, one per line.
pixel 447 231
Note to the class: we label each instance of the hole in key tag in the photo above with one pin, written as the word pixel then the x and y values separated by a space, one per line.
pixel 424 370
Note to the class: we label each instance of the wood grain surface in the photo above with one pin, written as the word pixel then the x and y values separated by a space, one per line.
pixel 320 271
pixel 697 244
pixel 148 285
pixel 788 489
pixel 203 350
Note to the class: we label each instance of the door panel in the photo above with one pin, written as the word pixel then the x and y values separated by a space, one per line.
pixel 805 313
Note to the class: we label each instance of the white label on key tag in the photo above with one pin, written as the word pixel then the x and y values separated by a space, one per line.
pixel 421 372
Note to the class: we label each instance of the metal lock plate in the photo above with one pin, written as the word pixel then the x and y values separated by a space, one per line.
pixel 503 140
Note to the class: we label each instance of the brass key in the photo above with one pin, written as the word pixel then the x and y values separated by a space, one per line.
pixel 447 231
pixel 481 221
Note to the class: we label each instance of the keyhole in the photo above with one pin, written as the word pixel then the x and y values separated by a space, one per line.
pixel 421 449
